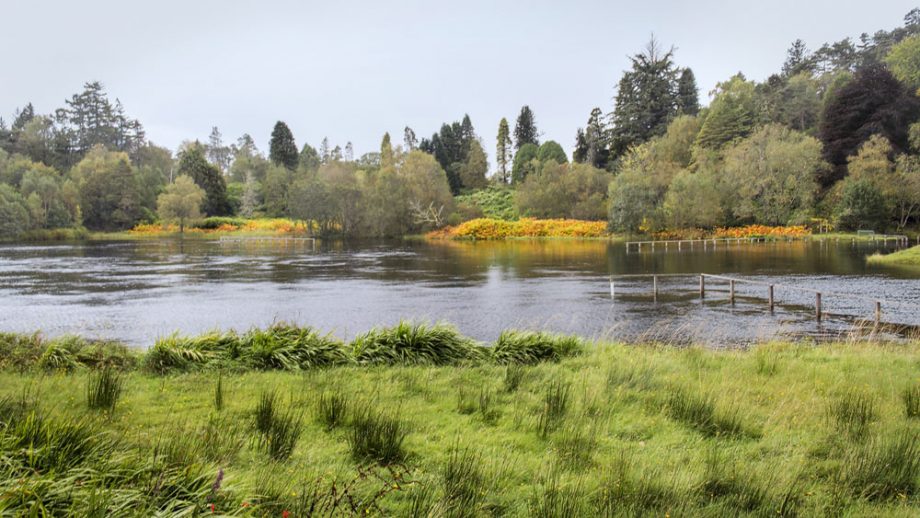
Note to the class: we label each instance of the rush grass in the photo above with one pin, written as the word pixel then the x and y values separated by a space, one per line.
pixel 635 431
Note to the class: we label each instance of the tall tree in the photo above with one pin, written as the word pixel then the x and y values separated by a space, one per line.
pixel 309 158
pixel 349 152
pixel 646 98
pixel 580 153
pixel 503 153
pixel 798 60
pixel 218 153
pixel 180 201
pixel 525 129
pixel 409 139
pixel 282 149
pixel 193 163
pixel 386 151
pixel 732 114
pixel 108 190
pixel 873 102
pixel 688 96
pixel 595 135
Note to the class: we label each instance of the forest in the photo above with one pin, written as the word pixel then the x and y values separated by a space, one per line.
pixel 831 139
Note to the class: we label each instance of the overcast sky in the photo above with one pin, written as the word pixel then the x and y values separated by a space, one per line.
pixel 352 70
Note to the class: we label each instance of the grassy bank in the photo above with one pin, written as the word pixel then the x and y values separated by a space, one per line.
pixel 908 257
pixel 420 421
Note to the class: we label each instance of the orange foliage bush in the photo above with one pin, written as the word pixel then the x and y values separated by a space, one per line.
pixel 763 231
pixel 487 228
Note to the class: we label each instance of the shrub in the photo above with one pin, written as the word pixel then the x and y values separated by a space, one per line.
pixel 287 347
pixel 376 435
pixel 529 347
pixel 486 229
pixel 103 389
pixel 61 354
pixel 418 344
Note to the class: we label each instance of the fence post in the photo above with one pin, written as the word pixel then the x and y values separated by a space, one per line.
pixel 702 285
pixel 655 286
pixel 611 287
pixel 818 306
pixel 878 312
pixel 731 291
pixel 770 297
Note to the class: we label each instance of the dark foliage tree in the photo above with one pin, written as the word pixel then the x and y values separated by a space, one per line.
pixel 282 149
pixel 874 102
pixel 309 158
pixel 688 96
pixel 646 98
pixel 580 153
pixel 192 162
pixel 525 129
pixel 524 162
pixel 551 150
pixel 798 60
pixel 409 139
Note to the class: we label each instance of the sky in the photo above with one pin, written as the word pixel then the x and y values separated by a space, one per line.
pixel 352 70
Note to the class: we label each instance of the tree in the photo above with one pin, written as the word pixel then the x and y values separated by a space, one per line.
pixel 862 206
pixel 90 119
pixel 596 151
pixel 250 198
pixel 386 151
pixel 688 97
pixel 193 164
pixel 276 190
pixel 906 192
pixel 349 152
pixel 693 200
pixel 577 191
pixel 873 102
pixel 646 98
pixel 309 159
pixel 409 139
pixel 525 129
pixel 773 175
pixel 798 60
pixel 904 62
pixel 50 204
pixel 872 162
pixel 551 150
pixel 108 190
pixel 218 153
pixel 503 154
pixel 523 162
pixel 14 213
pixel 282 149
pixel 473 172
pixel 181 201
pixel 731 114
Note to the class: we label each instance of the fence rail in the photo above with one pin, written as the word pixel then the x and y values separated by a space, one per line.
pixel 267 239
pixel 691 244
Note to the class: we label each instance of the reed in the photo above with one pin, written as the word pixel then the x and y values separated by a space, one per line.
pixel 377 435
pixel 103 389
pixel 415 344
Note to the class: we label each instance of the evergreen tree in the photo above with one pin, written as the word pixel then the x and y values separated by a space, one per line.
pixel 580 153
pixel 349 152
pixel 218 153
pixel 688 98
pixel 503 150
pixel 193 163
pixel 524 161
pixel 798 60
pixel 525 129
pixel 409 139
pixel 309 158
pixel 646 99
pixel 732 114
pixel 282 149
pixel 467 136
pixel 386 151
pixel 324 151
pixel 551 150
pixel 595 136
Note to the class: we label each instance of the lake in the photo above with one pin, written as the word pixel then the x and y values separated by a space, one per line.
pixel 138 290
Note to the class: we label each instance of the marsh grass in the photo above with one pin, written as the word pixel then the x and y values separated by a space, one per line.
pixel 530 347
pixel 556 401
pixel 377 435
pixel 886 467
pixel 554 498
pixel 466 401
pixel 630 377
pixel 766 361
pixel 700 412
pixel 221 438
pixel 103 389
pixel 625 490
pixel 744 491
pixel 575 445
pixel 265 411
pixel 287 347
pixel 219 392
pixel 852 412
pixel 488 406
pixel 514 377
pixel 283 432
pixel 911 399
pixel 415 344
pixel 463 482
pixel 332 409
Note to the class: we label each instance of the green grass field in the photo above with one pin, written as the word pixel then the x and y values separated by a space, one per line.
pixel 908 257
pixel 419 421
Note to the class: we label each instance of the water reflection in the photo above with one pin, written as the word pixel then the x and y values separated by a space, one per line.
pixel 138 290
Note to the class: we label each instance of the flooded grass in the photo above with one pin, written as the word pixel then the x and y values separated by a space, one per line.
pixel 615 431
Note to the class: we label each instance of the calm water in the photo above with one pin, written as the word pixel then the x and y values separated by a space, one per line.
pixel 136 291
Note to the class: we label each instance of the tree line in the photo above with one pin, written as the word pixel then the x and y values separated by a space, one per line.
pixel 832 136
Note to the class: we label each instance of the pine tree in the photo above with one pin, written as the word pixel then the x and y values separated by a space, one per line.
pixel 798 60
pixel 192 162
pixel 218 153
pixel 596 140
pixel 409 139
pixel 580 153
pixel 386 151
pixel 282 149
pixel 688 97
pixel 467 135
pixel 646 99
pixel 525 129
pixel 503 150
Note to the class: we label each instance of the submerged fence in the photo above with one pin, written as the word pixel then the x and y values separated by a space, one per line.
pixel 768 293
pixel 292 241
pixel 707 244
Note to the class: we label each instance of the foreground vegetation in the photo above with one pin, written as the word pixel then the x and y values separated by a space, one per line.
pixel 418 420
pixel 909 257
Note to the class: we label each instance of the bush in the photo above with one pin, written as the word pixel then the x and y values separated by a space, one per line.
pixel 418 344
pixel 529 347
pixel 182 353
pixel 287 347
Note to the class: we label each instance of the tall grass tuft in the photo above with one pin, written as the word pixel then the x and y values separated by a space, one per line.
pixel 219 392
pixel 61 354
pixel 415 344
pixel 488 411
pixel 630 377
pixel 332 409
pixel 103 389
pixel 514 376
pixel 911 397
pixel 700 412
pixel 575 446
pixel 265 411
pixel 283 432
pixel 220 439
pixel 623 492
pixel 463 482
pixel 183 353
pixel 852 412
pixel 287 347
pixel 554 499
pixel 377 436
pixel 884 468
pixel 530 347
pixel 556 401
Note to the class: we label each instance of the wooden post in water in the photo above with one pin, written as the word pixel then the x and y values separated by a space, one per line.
pixel 702 285
pixel 655 287
pixel 818 306
pixel 770 297
pixel 878 312
pixel 731 291
pixel 611 287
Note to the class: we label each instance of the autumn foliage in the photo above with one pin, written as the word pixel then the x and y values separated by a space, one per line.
pixel 763 231
pixel 486 228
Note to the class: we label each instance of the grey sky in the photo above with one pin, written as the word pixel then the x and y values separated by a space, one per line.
pixel 351 70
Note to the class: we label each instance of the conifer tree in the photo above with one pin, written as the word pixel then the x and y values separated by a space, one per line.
pixel 282 149
pixel 503 150
pixel 525 129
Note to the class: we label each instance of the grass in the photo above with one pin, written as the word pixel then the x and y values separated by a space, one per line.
pixel 529 347
pixel 415 344
pixel 907 257
pixel 103 389
pixel 637 431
